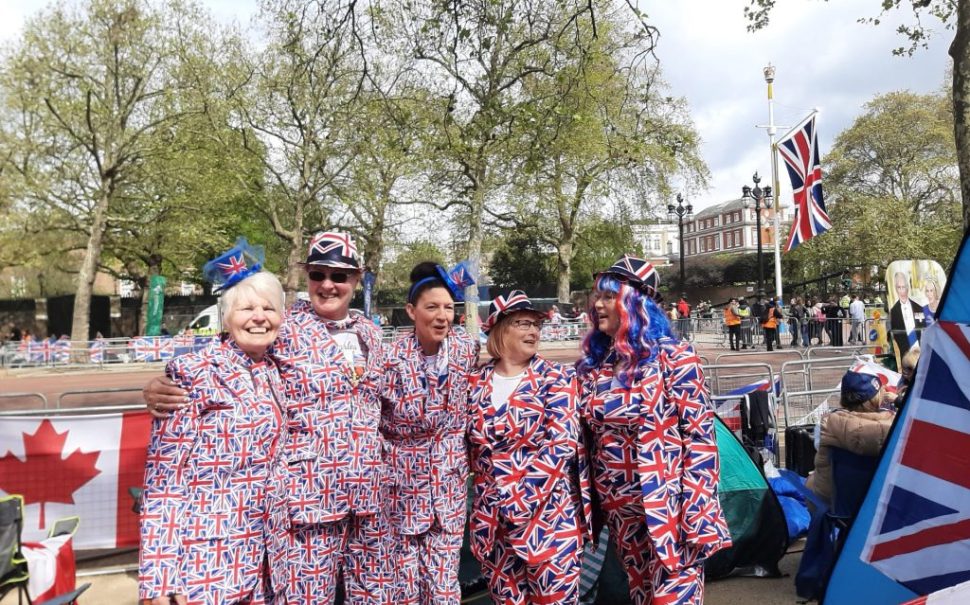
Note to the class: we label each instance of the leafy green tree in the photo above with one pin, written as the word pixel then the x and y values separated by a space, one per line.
pixel 394 288
pixel 475 60
pixel 605 132
pixel 93 84
pixel 293 102
pixel 599 244
pixel 521 261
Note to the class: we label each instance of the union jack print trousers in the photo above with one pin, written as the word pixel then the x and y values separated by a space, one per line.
pixel 511 581
pixel 650 582
pixel 428 567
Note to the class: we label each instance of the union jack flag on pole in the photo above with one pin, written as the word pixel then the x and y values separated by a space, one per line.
pixel 799 149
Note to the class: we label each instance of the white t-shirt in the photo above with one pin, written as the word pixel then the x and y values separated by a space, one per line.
pixel 350 345
pixel 503 387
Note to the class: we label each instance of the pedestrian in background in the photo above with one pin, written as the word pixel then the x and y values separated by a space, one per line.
pixel 732 319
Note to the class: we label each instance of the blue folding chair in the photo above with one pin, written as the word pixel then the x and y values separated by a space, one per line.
pixel 851 475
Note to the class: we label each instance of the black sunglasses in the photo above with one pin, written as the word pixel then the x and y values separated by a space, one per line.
pixel 337 277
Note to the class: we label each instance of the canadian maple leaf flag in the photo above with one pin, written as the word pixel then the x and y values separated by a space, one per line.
pixel 76 465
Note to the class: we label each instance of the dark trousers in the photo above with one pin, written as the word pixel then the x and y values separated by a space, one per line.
pixel 770 335
pixel 734 337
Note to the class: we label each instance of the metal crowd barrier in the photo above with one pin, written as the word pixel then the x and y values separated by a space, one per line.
pixel 806 384
pixel 40 396
pixel 101 409
pixel 721 379
pixel 793 353
pixel 86 392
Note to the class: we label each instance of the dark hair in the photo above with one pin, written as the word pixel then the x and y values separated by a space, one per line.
pixel 424 276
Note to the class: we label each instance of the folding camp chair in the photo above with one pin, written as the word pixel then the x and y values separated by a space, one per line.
pixel 14 567
pixel 851 475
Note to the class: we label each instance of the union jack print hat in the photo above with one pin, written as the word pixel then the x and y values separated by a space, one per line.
pixel 638 273
pixel 234 265
pixel 503 305
pixel 333 249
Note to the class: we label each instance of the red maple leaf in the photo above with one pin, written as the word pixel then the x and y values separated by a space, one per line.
pixel 45 475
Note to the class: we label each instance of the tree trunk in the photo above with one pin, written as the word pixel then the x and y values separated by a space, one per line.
pixel 81 323
pixel 564 260
pixel 294 271
pixel 960 52
pixel 474 255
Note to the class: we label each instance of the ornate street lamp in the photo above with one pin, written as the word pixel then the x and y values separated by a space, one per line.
pixel 762 200
pixel 679 214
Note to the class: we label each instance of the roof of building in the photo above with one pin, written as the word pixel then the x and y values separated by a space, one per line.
pixel 716 209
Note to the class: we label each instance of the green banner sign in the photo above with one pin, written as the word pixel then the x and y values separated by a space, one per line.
pixel 156 303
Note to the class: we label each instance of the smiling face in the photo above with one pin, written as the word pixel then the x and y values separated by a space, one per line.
pixel 331 290
pixel 932 296
pixel 607 315
pixel 433 313
pixel 519 334
pixel 253 323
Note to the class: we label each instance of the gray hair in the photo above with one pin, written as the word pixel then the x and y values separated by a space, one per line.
pixel 263 284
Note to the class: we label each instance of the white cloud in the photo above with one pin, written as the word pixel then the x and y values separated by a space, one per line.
pixel 823 56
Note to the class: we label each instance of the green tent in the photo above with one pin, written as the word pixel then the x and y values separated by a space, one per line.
pixel 753 514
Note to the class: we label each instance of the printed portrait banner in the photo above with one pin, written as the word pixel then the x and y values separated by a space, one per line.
pixel 914 291
pixel 76 465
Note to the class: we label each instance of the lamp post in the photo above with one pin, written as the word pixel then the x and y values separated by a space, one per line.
pixel 762 200
pixel 769 73
pixel 679 213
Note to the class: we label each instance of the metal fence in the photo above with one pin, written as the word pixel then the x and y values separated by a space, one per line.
pixel 808 384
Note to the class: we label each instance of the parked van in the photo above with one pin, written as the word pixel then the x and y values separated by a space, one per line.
pixel 208 321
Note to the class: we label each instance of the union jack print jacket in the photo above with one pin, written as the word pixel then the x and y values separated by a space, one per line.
pixel 207 468
pixel 423 419
pixel 320 419
pixel 529 463
pixel 364 475
pixel 668 407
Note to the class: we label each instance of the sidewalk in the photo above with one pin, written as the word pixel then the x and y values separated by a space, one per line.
pixel 121 588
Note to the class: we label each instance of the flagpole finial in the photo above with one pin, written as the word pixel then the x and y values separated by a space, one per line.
pixel 769 72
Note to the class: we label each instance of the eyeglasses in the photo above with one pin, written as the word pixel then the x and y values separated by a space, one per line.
pixel 337 277
pixel 525 324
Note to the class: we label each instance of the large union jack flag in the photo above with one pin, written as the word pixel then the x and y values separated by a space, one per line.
pixel 920 535
pixel 800 151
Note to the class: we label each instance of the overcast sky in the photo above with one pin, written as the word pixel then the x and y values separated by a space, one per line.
pixel 823 58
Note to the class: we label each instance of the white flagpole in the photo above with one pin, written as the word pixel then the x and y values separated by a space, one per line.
pixel 769 72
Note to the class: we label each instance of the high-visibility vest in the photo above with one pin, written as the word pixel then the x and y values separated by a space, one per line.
pixel 730 317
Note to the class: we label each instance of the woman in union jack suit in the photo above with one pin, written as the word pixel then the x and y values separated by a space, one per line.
pixel 654 457
pixel 203 525
pixel 423 419
pixel 531 512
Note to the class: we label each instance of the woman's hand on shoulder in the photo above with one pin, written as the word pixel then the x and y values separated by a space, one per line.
pixel 162 397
